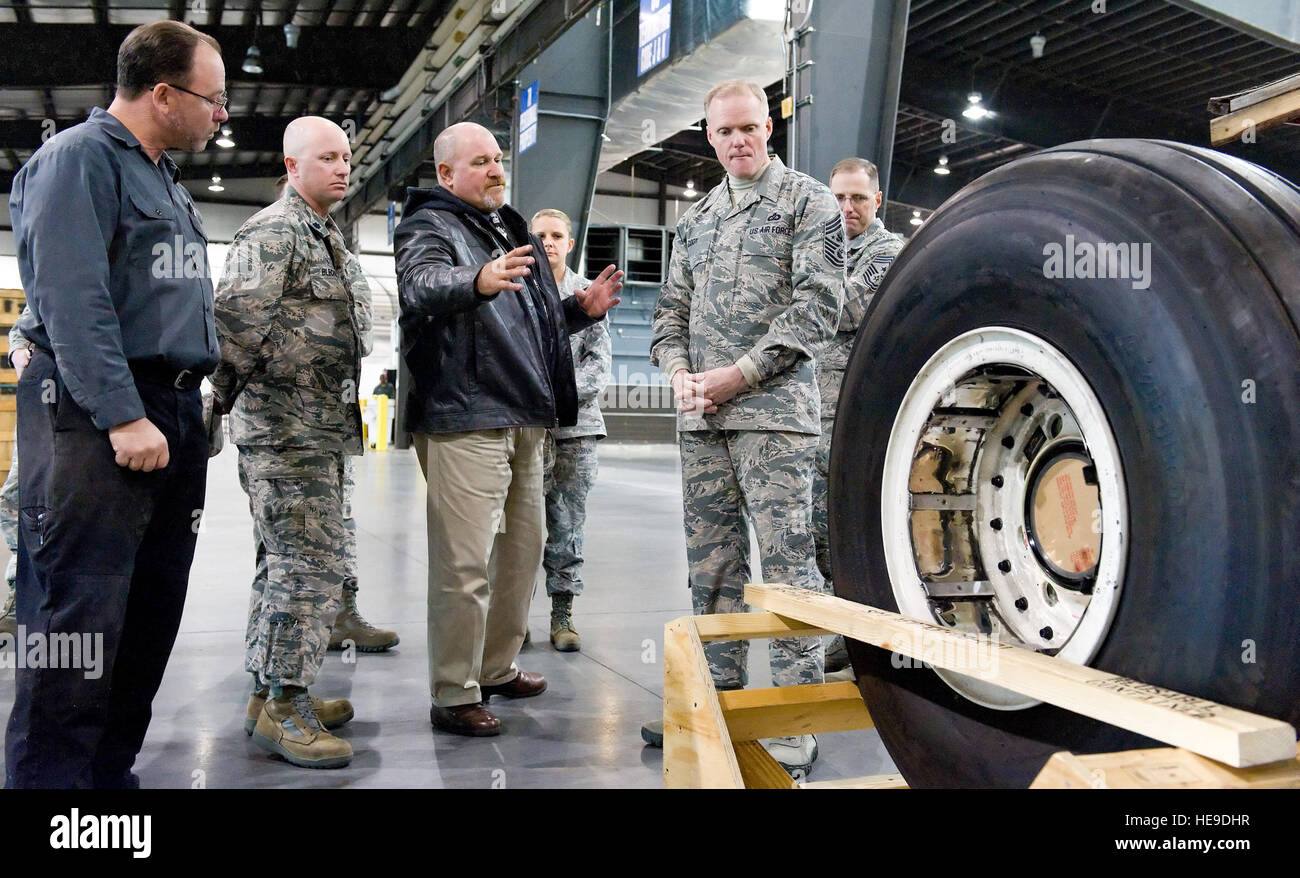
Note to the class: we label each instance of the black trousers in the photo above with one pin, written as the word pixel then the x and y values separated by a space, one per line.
pixel 104 555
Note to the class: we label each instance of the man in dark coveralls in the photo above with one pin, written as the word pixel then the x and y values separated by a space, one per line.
pixel 113 258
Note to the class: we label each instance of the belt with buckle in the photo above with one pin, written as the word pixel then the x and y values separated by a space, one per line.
pixel 156 373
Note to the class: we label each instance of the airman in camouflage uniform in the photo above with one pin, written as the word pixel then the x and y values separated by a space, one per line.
pixel 855 183
pixel 754 287
pixel 9 499
pixel 569 459
pixel 293 316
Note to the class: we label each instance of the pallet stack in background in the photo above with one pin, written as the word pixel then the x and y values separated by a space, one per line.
pixel 11 305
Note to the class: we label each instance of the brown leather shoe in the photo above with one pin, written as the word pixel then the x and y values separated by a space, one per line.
pixel 473 720
pixel 526 685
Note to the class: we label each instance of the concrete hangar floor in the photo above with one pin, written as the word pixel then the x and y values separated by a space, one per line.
pixel 584 731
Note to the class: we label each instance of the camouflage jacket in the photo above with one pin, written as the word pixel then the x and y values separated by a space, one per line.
pixel 293 318
pixel 870 255
pixel 759 285
pixel 593 361
pixel 18 341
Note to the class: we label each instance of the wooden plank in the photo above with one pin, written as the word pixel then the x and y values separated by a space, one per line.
pixel 697 750
pixel 874 782
pixel 1160 768
pixel 1262 93
pixel 793 710
pixel 1260 117
pixel 760 770
pixel 1224 733
pixel 751 626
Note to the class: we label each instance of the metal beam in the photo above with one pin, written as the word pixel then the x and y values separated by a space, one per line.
pixel 503 63
pixel 36 55
pixel 848 66
pixel 256 133
pixel 573 105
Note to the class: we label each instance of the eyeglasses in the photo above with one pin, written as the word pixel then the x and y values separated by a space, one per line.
pixel 858 200
pixel 219 103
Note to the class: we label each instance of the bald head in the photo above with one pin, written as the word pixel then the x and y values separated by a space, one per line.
pixel 319 161
pixel 303 134
pixel 470 165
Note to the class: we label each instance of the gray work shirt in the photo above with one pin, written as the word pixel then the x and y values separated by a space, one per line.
pixel 113 259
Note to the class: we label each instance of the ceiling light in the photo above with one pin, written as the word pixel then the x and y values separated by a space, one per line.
pixel 916 218
pixel 976 110
pixel 1036 44
pixel 942 168
pixel 291 32
pixel 215 185
pixel 253 61
pixel 224 140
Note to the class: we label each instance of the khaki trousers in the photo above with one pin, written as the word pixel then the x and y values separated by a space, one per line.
pixel 486 524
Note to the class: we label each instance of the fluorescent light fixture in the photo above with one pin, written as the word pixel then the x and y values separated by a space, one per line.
pixel 215 185
pixel 942 168
pixel 916 218
pixel 224 140
pixel 976 109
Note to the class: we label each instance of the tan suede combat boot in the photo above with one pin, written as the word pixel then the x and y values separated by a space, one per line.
pixel 287 727
pixel 563 636
pixel 349 625
pixel 332 712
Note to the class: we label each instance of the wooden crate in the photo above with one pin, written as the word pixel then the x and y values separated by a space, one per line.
pixel 711 738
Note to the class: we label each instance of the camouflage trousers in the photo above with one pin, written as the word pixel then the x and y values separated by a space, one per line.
pixel 9 516
pixel 767 475
pixel 821 503
pixel 570 471
pixel 296 499
pixel 349 524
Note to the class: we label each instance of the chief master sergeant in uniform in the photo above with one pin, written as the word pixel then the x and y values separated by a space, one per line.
pixel 754 289
pixel 113 258
pixel 293 315
pixel 855 183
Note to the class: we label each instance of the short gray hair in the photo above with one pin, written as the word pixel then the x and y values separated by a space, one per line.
pixel 734 86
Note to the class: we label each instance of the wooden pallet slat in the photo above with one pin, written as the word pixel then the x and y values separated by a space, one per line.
pixel 1232 736
pixel 793 710
pixel 697 749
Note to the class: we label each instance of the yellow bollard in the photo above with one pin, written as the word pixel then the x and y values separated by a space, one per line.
pixel 364 402
pixel 381 424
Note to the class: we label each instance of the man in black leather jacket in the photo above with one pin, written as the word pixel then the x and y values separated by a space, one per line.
pixel 486 341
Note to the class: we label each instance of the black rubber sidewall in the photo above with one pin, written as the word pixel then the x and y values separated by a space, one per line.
pixel 1212 481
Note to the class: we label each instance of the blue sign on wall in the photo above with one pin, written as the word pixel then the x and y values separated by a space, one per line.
pixel 652 45
pixel 528 117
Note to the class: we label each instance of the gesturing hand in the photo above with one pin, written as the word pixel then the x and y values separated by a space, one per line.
pixel 499 274
pixel 597 299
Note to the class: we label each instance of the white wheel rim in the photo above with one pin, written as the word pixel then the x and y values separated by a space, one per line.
pixel 1029 603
